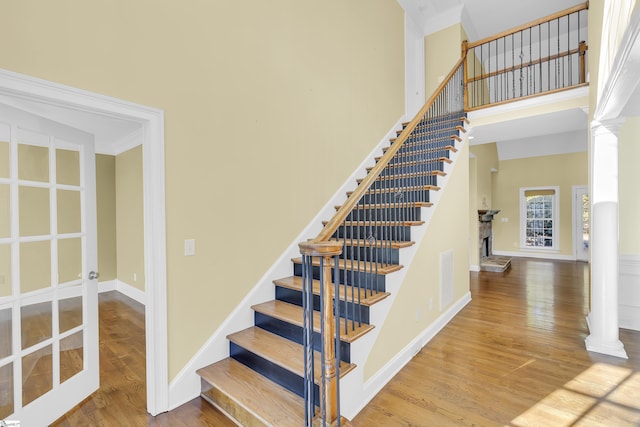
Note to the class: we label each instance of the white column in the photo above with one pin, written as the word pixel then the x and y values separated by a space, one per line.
pixel 603 318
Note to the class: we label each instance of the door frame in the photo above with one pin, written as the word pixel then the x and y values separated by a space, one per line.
pixel 152 122
pixel 576 209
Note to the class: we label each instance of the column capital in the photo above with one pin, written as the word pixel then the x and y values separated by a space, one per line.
pixel 611 126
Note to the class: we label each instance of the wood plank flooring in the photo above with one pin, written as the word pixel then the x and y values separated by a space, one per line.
pixel 121 399
pixel 514 357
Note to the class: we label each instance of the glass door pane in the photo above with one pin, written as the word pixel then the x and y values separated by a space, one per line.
pixel 48 334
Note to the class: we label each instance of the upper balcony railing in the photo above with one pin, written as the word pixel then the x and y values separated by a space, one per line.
pixel 537 58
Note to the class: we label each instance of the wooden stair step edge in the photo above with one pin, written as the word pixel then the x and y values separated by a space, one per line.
pixel 248 398
pixel 394 244
pixel 365 298
pixel 404 223
pixel 280 351
pixel 411 175
pixel 425 150
pixel 394 189
pixel 364 267
pixel 391 205
pixel 292 313
pixel 450 120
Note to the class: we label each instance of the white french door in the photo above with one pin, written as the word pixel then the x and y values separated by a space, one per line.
pixel 48 302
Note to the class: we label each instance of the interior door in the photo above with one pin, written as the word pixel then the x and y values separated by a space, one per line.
pixel 48 302
pixel 581 223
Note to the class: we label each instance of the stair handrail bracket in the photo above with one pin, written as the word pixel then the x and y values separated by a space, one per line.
pixel 543 56
pixel 348 260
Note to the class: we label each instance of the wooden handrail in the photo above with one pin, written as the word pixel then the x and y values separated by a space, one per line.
pixel 330 228
pixel 533 23
pixel 580 50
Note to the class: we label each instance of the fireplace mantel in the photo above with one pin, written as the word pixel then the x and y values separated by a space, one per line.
pixel 486 215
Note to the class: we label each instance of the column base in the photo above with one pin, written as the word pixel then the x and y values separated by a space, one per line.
pixel 614 348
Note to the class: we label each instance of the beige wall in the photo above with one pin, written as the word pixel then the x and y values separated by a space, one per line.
pixel 441 51
pixel 487 164
pixel 481 167
pixel 130 218
pixel 565 171
pixel 629 177
pixel 269 107
pixel 106 208
pixel 416 306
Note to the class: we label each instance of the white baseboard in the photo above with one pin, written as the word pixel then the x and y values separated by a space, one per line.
pixel 532 254
pixel 474 268
pixel 124 288
pixel 384 375
pixel 629 292
pixel 107 286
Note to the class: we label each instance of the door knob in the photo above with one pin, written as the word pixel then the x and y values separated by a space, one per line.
pixel 93 275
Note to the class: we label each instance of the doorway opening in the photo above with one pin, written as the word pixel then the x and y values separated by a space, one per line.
pixel 101 115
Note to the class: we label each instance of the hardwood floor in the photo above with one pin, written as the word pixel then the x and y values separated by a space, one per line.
pixel 121 399
pixel 514 356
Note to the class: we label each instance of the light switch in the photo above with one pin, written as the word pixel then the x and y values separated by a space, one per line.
pixel 189 247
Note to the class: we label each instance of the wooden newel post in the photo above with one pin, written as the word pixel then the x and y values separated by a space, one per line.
pixel 465 49
pixel 583 66
pixel 329 387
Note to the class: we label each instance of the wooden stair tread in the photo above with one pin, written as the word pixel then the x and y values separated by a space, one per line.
pixel 394 190
pixel 424 150
pixel 281 351
pixel 394 244
pixel 292 313
pixel 414 163
pixel 411 175
pixel 391 205
pixel 404 223
pixel 366 299
pixel 449 120
pixel 364 267
pixel 250 398
pixel 394 140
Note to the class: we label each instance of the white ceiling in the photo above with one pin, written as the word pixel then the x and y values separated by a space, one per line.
pixel 481 18
pixel 113 135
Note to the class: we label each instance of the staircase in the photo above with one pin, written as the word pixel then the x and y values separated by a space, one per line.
pixel 261 382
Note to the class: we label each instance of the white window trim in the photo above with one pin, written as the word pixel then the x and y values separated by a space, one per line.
pixel 555 217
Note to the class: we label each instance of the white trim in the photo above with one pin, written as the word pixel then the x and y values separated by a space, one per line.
pixel 126 143
pixel 152 121
pixel 414 80
pixel 535 254
pixel 186 385
pixel 622 80
pixel 555 216
pixel 131 291
pixel 474 267
pixel 383 376
pixel 576 227
pixel 536 101
pixel 125 289
pixel 629 292
pixel 107 286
